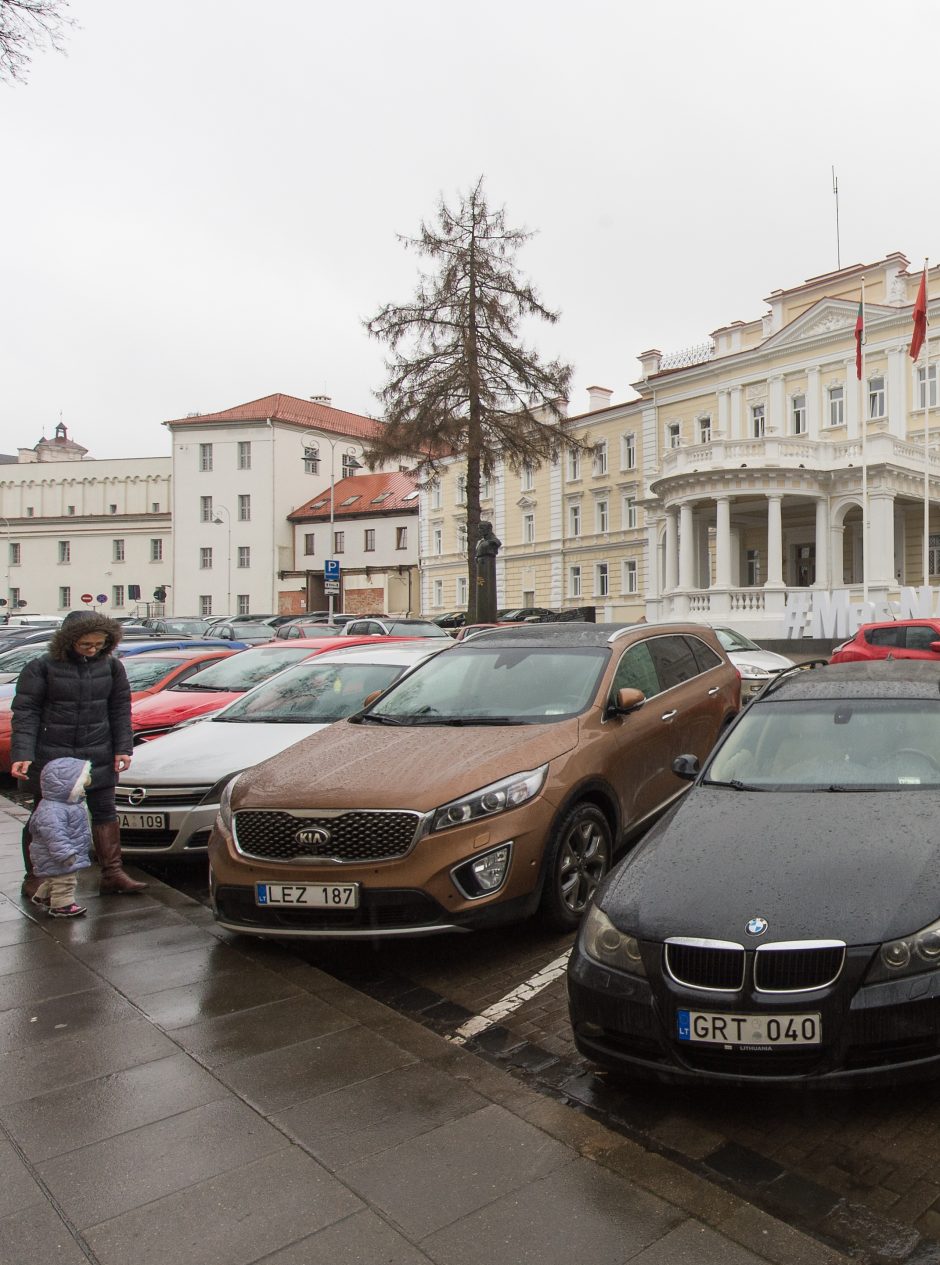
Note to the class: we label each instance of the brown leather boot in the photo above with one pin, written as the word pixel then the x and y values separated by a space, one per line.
pixel 30 885
pixel 114 882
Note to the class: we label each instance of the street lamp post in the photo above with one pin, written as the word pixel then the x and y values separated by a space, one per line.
pixel 223 509
pixel 312 449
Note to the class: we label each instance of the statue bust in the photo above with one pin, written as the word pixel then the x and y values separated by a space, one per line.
pixel 488 544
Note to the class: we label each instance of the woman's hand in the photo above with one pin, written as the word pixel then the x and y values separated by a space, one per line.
pixel 20 768
pixel 122 762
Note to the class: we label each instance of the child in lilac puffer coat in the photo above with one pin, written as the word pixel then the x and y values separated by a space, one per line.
pixel 60 830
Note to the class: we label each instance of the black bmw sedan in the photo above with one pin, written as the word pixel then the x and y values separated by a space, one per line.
pixel 782 923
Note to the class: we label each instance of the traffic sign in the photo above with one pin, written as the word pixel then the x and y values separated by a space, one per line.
pixel 330 586
pixel 102 597
pixel 331 569
pixel 87 599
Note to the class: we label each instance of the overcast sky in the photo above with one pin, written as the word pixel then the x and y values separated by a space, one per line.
pixel 201 200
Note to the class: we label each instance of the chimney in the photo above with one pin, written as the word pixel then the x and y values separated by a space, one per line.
pixel 649 362
pixel 598 397
pixel 321 399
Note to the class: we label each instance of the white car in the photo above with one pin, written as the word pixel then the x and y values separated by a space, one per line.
pixel 755 664
pixel 168 799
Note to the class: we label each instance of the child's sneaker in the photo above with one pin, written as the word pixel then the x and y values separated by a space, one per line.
pixel 66 911
pixel 41 901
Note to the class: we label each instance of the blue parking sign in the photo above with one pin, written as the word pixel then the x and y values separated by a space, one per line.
pixel 331 569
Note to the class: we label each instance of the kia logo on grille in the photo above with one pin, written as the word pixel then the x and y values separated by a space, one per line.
pixel 137 795
pixel 313 836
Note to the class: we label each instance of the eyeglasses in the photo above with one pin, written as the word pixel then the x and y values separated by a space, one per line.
pixel 87 645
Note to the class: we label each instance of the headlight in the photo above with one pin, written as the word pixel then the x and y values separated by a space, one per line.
pixel 748 672
pixel 225 805
pixel 510 792
pixel 214 794
pixel 601 941
pixel 909 955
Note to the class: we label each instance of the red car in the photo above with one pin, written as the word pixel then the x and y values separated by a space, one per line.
pixel 210 689
pixel 893 639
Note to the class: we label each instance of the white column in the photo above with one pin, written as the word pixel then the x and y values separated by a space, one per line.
pixel 774 542
pixel 896 385
pixel 686 548
pixel 724 414
pixel 653 572
pixel 723 542
pixel 813 403
pixel 672 551
pixel 881 539
pixel 852 422
pixel 776 405
pixel 836 557
pixel 822 544
pixel 737 413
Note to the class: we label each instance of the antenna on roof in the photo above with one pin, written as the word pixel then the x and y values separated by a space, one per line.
pixel 835 191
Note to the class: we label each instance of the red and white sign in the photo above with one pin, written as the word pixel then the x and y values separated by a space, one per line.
pixel 87 598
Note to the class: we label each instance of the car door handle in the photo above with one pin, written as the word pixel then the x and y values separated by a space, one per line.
pixel 669 715
pixel 716 689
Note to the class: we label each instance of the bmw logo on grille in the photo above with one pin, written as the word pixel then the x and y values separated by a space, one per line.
pixel 756 927
pixel 313 836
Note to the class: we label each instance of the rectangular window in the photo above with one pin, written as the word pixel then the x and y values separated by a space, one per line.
pixel 205 509
pixel 244 508
pixel 461 494
pixel 70 510
pixel 369 543
pixel 629 513
pixel 244 455
pixel 528 529
pixel 600 458
pixel 758 421
pixel 401 537
pixel 602 515
pixel 117 595
pixel 628 452
pixel 436 495
pixel 704 430
pixel 933 555
pixel 205 604
pixel 65 551
pixel 339 542
pixel 528 477
pixel 205 559
pixel 117 550
pixel 462 538
pixel 528 597
pixel 798 414
pixel 112 509
pixel 932 377
pixel 205 456
pixel 437 593
pixel 673 435
pixel 244 556
pixel 630 577
pixel 574 581
pixel 30 511
pixel 461 590
pixel 14 553
pixel 65 597
pixel 437 540
pixel 876 397
pixel 837 406
pixel 311 461
pixel 601 580
pixel 350 464
pixel 155 507
pixel 574 520
pixel 574 464
pixel 244 604
pixel 156 549
pixel 309 544
pixel 752 564
pixel 14 597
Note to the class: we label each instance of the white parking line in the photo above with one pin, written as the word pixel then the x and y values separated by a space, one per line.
pixel 512 1001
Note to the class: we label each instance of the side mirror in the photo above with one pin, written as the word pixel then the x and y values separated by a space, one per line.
pixel 935 647
pixel 625 701
pixel 686 767
pixel 370 698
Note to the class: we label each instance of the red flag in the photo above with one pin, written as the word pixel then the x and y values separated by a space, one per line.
pixel 920 318
pixel 859 335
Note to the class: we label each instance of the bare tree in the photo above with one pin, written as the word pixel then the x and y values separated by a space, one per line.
pixel 26 24
pixel 461 381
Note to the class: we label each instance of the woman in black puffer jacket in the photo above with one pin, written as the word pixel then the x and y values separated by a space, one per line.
pixel 75 701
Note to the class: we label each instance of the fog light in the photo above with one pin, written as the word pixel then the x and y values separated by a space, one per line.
pixel 484 874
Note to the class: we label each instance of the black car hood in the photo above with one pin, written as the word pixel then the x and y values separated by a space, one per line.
pixel 859 867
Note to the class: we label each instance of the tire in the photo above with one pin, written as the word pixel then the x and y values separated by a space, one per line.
pixel 578 858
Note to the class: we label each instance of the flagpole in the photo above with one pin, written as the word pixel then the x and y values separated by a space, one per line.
pixel 926 454
pixel 862 386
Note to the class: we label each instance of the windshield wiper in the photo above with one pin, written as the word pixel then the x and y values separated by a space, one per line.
pixel 383 720
pixel 736 785
pixel 186 685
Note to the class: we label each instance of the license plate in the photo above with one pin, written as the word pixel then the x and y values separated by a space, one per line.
pixel 142 821
pixel 309 895
pixel 748 1030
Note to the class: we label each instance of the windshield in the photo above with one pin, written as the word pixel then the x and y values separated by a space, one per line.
pixel 314 693
pixel 242 671
pixel 142 671
pixel 732 640
pixel 244 632
pixel 188 627
pixel 832 744
pixel 13 660
pixel 400 628
pixel 496 685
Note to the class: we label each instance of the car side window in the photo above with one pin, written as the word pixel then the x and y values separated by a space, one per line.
pixel 674 660
pixel 705 657
pixel 636 671
pixel 885 636
pixel 920 637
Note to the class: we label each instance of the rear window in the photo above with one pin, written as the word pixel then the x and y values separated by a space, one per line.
pixel 250 667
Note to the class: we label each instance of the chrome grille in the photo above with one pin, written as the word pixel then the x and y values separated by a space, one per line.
pixel 159 797
pixel 710 964
pixel 797 967
pixel 362 835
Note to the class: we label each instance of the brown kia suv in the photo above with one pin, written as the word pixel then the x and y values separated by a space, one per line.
pixel 497 780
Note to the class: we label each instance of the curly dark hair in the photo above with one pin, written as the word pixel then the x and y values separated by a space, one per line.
pixel 80 624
